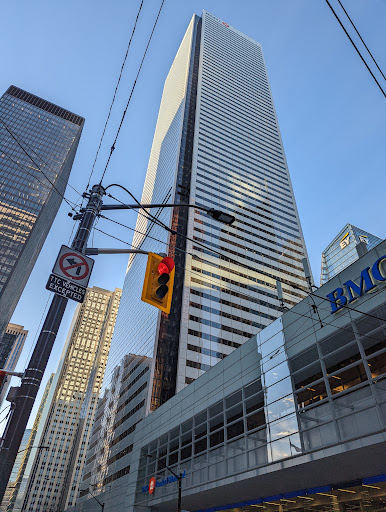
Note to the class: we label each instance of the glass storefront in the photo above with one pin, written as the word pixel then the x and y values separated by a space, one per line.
pixel 347 497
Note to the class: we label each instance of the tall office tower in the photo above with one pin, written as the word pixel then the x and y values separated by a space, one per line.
pixel 54 478
pixel 11 345
pixel 217 144
pixel 18 487
pixel 38 142
pixel 15 470
pixel 342 251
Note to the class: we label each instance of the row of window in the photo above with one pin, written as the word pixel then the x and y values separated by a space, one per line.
pixel 251 111
pixel 284 252
pixel 260 302
pixel 217 121
pixel 215 339
pixel 230 233
pixel 252 114
pixel 258 204
pixel 260 190
pixel 245 215
pixel 241 274
pixel 216 325
pixel 260 181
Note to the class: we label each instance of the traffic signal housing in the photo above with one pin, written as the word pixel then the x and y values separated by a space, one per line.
pixel 159 279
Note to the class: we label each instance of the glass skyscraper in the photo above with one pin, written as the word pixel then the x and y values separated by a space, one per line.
pixel 217 144
pixel 341 252
pixel 38 142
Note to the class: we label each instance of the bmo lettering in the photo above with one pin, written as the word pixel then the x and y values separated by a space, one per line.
pixel 351 291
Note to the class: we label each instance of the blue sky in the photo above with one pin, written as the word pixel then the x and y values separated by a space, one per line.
pixel 331 113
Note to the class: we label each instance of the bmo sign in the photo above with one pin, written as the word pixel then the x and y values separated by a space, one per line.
pixel 369 280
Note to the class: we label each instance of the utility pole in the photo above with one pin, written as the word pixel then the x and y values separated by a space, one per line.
pixel 33 375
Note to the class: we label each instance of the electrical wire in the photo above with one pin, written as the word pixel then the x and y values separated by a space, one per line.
pixel 131 93
pixel 33 344
pixel 358 52
pixel 214 282
pixel 360 37
pixel 39 156
pixel 214 251
pixel 114 96
pixel 147 215
pixel 238 263
pixel 38 167
pixel 22 167
pixel 8 413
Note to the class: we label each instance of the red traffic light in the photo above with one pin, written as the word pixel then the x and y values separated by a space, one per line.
pixel 165 266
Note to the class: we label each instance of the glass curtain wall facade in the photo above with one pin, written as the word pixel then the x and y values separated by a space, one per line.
pixel 217 144
pixel 294 418
pixel 38 142
pixel 55 476
pixel 11 345
pixel 341 252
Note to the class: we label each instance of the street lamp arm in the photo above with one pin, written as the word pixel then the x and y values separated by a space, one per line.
pixel 223 217
pixel 93 251
pixel 156 205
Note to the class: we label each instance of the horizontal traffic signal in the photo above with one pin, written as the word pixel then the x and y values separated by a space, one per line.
pixel 158 284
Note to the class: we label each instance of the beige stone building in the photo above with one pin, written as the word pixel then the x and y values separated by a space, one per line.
pixel 55 476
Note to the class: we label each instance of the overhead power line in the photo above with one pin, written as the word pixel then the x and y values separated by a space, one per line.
pixel 115 93
pixel 231 260
pixel 131 93
pixel 36 164
pixel 354 45
pixel 360 37
pixel 39 156
pixel 299 315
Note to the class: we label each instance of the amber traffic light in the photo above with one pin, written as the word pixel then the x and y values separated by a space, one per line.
pixel 158 284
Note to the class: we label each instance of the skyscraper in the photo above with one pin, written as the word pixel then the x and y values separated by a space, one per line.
pixel 11 345
pixel 341 252
pixel 54 478
pixel 38 142
pixel 217 144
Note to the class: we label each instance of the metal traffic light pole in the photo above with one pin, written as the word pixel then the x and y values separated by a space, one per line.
pixel 26 395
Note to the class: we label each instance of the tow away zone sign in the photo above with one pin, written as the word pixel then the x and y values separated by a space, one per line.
pixel 71 274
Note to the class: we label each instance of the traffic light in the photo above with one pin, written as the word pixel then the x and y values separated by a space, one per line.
pixel 158 284
pixel 3 377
